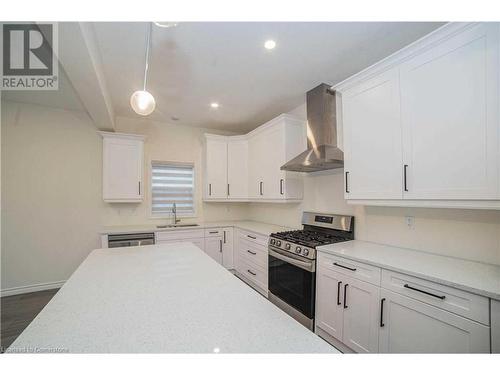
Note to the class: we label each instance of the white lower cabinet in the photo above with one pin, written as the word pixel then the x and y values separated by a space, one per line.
pixel 329 310
pixel 346 309
pixel 411 326
pixel 414 316
pixel 361 307
pixel 227 248
pixel 213 247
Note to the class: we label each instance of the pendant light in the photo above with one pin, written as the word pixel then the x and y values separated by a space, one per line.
pixel 142 102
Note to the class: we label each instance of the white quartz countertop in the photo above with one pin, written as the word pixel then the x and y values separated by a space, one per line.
pixel 253 226
pixel 169 298
pixel 474 277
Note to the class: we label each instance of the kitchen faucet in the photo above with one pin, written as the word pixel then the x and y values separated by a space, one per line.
pixel 174 213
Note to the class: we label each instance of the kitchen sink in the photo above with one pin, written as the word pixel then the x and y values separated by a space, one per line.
pixel 176 226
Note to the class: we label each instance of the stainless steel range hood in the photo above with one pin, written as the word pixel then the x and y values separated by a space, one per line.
pixel 322 152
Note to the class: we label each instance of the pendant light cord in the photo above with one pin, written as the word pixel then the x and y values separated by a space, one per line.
pixel 148 45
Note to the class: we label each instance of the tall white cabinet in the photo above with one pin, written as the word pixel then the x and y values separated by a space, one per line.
pixel 247 167
pixel 421 128
pixel 122 169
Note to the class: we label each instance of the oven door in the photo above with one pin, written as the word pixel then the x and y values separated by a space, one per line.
pixel 293 280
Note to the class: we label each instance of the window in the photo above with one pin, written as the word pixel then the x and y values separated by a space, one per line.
pixel 172 183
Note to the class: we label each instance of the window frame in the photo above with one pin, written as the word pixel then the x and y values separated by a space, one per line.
pixel 174 164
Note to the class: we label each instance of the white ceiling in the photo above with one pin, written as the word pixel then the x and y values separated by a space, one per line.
pixel 194 64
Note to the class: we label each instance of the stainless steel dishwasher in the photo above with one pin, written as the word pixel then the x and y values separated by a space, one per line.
pixel 132 239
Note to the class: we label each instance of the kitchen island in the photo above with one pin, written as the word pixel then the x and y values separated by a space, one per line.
pixel 169 298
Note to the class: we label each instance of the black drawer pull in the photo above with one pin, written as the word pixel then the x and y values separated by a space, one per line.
pixel 345 296
pixel 346 183
pixel 213 232
pixel 252 237
pixel 251 273
pixel 424 292
pixel 382 312
pixel 347 268
pixel 251 252
pixel 338 293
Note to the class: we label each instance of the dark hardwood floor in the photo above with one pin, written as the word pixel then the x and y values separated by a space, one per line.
pixel 18 311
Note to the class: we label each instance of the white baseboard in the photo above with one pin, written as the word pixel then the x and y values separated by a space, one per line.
pixel 31 288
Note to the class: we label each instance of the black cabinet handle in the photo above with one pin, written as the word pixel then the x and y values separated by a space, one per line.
pixel 228 190
pixel 382 312
pixel 252 237
pixel 346 183
pixel 281 187
pixel 338 293
pixel 405 167
pixel 347 268
pixel 220 246
pixel 224 236
pixel 261 188
pixel 214 232
pixel 424 292
pixel 209 189
pixel 251 273
pixel 139 187
pixel 251 252
pixel 345 296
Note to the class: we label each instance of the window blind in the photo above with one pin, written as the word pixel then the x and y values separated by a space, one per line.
pixel 172 183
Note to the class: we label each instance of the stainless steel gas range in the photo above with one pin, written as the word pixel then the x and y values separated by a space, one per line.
pixel 292 262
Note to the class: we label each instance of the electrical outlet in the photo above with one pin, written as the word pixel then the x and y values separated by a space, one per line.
pixel 410 222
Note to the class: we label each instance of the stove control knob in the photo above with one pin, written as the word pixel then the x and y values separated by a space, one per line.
pixel 273 241
pixel 298 249
pixel 278 243
pixel 305 252
pixel 288 246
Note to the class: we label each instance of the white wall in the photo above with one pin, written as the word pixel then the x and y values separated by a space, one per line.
pixel 52 206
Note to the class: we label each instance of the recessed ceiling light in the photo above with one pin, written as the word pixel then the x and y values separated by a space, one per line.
pixel 270 44
pixel 165 25
pixel 214 105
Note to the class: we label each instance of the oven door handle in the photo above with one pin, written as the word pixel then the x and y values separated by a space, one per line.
pixel 308 266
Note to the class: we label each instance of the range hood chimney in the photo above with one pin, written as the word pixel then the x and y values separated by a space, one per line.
pixel 322 152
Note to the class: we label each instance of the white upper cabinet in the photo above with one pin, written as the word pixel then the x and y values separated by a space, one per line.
pixel 271 146
pixel 215 167
pixel 247 167
pixel 237 168
pixel 421 128
pixel 372 139
pixel 449 106
pixel 122 169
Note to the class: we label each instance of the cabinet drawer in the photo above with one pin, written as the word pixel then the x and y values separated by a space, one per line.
pixel 254 273
pixel 454 300
pixel 253 252
pixel 179 234
pixel 214 232
pixel 253 237
pixel 361 271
